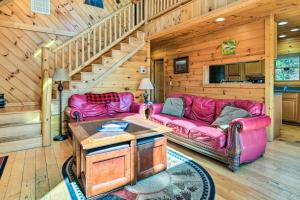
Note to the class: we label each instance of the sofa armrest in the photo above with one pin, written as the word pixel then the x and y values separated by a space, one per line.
pixel 251 123
pixel 139 108
pixel 246 140
pixel 155 108
pixel 74 113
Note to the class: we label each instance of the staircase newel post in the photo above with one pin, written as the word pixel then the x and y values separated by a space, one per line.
pixel 46 97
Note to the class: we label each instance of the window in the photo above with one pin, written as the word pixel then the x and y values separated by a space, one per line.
pixel 41 6
pixel 287 68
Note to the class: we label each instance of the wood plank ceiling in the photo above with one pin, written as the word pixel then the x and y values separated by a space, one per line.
pixel 23 32
pixel 234 15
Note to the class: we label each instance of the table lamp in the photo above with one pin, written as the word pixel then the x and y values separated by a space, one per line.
pixel 146 85
pixel 60 76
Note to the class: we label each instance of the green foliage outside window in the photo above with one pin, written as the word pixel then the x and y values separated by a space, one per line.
pixel 287 68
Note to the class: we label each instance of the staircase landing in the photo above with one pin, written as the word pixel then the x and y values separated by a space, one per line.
pixel 20 128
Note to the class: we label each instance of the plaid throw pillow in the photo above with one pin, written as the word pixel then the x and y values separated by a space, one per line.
pixel 102 98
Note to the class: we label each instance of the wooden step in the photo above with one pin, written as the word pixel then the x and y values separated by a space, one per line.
pixel 18 129
pixel 18 143
pixel 20 115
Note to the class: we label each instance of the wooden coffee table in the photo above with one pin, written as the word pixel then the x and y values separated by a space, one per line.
pixel 86 138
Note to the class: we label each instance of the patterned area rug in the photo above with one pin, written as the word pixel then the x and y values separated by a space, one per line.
pixel 183 180
pixel 2 164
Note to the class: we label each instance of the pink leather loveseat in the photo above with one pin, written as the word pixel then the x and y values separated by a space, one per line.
pixel 80 110
pixel 244 142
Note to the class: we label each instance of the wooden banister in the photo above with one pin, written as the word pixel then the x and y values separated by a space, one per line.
pixel 89 45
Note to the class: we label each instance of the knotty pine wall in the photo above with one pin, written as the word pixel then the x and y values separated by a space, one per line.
pixel 128 76
pixel 289 45
pixel 204 50
pixel 22 33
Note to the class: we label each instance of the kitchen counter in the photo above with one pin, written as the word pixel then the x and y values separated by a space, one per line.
pixel 286 89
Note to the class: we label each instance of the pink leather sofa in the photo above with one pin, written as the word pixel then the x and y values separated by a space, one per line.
pixel 80 110
pixel 244 142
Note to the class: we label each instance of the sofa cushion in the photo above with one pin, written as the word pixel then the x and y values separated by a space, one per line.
pixel 188 102
pixel 126 99
pixel 89 110
pixel 203 109
pixel 228 114
pixel 210 136
pixel 183 126
pixel 253 107
pixel 162 118
pixel 174 106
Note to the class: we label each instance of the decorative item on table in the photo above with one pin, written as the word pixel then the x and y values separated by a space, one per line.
pixel 146 85
pixel 229 47
pixel 181 65
pixel 113 126
pixel 2 101
pixel 60 76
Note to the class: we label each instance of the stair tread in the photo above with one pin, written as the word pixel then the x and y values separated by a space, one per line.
pixel 19 109
pixel 6 125
pixel 18 138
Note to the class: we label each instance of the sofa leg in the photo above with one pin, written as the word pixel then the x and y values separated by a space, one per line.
pixel 234 163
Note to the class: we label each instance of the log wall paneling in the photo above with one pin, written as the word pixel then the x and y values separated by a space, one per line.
pixel 128 77
pixel 206 50
pixel 22 34
pixel 289 45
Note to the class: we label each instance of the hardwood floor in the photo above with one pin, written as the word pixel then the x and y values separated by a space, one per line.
pixel 36 173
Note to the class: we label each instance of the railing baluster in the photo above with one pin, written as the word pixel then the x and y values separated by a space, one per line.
pixel 100 37
pixel 55 60
pixel 63 57
pixel 124 22
pixel 105 34
pixel 110 30
pixel 82 50
pixel 115 27
pixel 70 57
pixel 76 54
pixel 129 18
pixel 119 21
pixel 89 45
pixel 94 42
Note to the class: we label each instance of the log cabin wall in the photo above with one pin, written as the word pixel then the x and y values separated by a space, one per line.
pixel 128 76
pixel 289 45
pixel 22 33
pixel 204 50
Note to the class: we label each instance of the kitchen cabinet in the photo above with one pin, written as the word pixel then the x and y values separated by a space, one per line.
pixel 291 107
pixel 255 68
pixel 234 70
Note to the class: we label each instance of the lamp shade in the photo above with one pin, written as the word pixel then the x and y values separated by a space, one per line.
pixel 146 84
pixel 61 75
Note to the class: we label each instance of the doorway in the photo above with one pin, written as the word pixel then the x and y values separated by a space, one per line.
pixel 158 80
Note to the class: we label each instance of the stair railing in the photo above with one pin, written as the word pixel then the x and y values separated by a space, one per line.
pixel 84 48
pixel 156 8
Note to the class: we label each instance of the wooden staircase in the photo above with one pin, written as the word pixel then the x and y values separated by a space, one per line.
pixel 95 53
pixel 20 128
